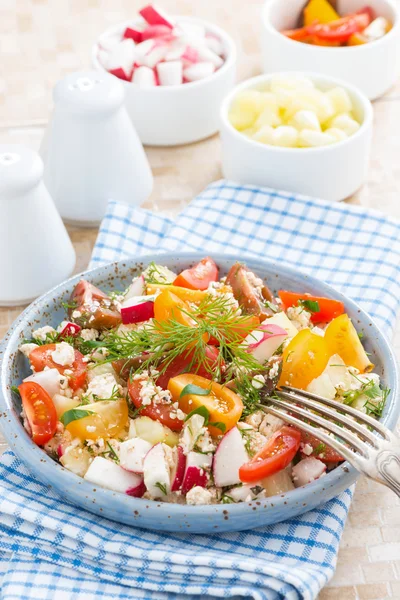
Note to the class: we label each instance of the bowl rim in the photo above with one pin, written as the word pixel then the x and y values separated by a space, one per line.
pixel 229 62
pixel 270 6
pixel 35 457
pixel 258 79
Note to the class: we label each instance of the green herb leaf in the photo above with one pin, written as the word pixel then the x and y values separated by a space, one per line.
pixel 225 499
pixel 190 388
pixel 271 306
pixel 219 425
pixel 311 305
pixel 202 411
pixel 162 487
pixel 320 449
pixel 15 390
pixel 360 334
pixel 74 414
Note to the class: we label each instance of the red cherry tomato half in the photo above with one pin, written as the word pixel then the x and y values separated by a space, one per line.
pixel 328 308
pixel 41 357
pixel 158 412
pixel 275 456
pixel 181 364
pixel 198 277
pixel 40 411
pixel 320 450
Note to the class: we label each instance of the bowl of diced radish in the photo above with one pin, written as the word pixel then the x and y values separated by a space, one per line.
pixel 300 132
pixel 176 72
pixel 372 67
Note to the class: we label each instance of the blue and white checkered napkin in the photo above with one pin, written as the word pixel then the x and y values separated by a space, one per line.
pixel 50 549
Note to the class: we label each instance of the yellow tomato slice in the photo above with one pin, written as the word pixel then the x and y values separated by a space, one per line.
pixel 342 338
pixel 184 294
pixel 109 420
pixel 168 307
pixel 224 405
pixel 304 359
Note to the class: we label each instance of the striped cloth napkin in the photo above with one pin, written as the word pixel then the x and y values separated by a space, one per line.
pixel 50 549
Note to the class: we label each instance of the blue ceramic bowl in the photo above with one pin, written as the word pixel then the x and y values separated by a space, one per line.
pixel 163 516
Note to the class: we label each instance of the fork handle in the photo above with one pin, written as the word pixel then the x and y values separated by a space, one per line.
pixel 388 465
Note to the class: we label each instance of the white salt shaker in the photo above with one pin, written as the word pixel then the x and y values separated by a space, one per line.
pixel 35 250
pixel 91 151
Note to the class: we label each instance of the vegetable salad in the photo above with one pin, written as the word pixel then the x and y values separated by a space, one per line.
pixel 160 391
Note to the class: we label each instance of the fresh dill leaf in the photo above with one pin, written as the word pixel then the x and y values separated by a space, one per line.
pixel 225 499
pixel 156 274
pixel 15 389
pixel 115 395
pixel 320 449
pixel 111 452
pixel 311 305
pixel 162 487
pixel 71 305
pixel 246 435
pixel 375 409
pixel 190 388
pixel 360 335
pixel 271 306
pixel 134 412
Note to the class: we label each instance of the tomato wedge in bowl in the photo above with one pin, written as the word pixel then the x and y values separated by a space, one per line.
pixel 164 515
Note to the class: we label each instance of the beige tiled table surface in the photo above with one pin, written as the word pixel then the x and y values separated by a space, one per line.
pixel 40 41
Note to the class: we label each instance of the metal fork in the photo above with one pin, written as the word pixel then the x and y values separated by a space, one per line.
pixel 369 446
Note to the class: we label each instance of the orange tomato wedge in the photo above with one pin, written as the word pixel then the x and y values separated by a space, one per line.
pixel 168 307
pixel 184 294
pixel 224 405
pixel 342 338
pixel 304 359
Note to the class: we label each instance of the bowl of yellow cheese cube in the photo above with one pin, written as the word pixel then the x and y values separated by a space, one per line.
pixel 301 132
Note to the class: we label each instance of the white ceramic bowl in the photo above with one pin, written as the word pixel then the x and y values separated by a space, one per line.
pixel 371 67
pixel 330 172
pixel 169 116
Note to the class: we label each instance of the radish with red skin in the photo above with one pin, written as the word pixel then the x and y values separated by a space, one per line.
pixel 190 55
pixel 70 329
pixel 230 455
pixel 108 474
pixel 178 472
pixel 144 77
pixel 195 473
pixel 170 73
pixel 121 59
pixel 48 379
pixel 137 288
pixel 264 341
pixel 132 453
pixel 60 451
pixel 154 16
pixel 138 310
pixel 156 55
pixel 307 470
pixel 134 33
pixel 155 31
pixel 136 491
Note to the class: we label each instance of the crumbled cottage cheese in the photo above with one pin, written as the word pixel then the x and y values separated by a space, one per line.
pixel 64 354
pixel 299 317
pixel 26 349
pixel 89 335
pixel 102 386
pixel 150 393
pixel 195 434
pixel 198 495
pixel 274 370
pixel 42 333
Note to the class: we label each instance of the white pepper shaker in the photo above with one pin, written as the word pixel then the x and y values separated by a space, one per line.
pixel 91 151
pixel 35 251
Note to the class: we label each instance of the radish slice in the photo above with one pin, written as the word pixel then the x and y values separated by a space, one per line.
pixel 132 453
pixel 170 73
pixel 154 16
pixel 198 71
pixel 156 472
pixel 230 455
pixel 307 470
pixel 138 310
pixel 155 31
pixel 136 288
pixel 152 58
pixel 178 470
pixel 264 341
pixel 110 475
pixel 121 59
pixel 190 55
pixel 144 77
pixel 195 473
pixel 134 33
pixel 49 380
pixel 70 329
pixel 207 55
pixel 176 50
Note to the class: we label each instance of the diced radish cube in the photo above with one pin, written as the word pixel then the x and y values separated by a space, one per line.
pixel 175 50
pixel 156 55
pixel 49 380
pixel 307 470
pixel 170 73
pixel 190 55
pixel 230 455
pixel 137 310
pixel 207 55
pixel 196 471
pixel 134 33
pixel 155 31
pixel 156 472
pixel 155 16
pixel 132 453
pixel 70 329
pixel 198 71
pixel 109 42
pixel 144 48
pixel 121 59
pixel 214 43
pixel 103 57
pixel 110 475
pixel 144 77
pixel 178 471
